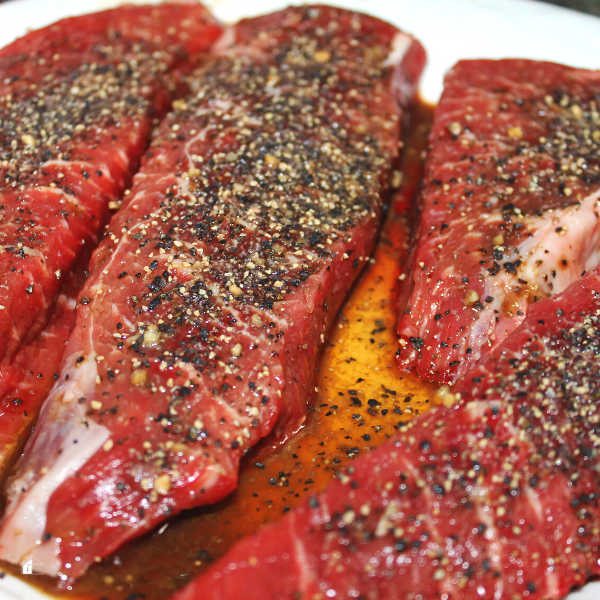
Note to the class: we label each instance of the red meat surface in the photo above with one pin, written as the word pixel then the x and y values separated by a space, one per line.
pixel 509 208
pixel 77 103
pixel 495 496
pixel 198 329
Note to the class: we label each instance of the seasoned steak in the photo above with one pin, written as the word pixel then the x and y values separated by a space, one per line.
pixel 495 497
pixel 77 103
pixel 509 208
pixel 198 329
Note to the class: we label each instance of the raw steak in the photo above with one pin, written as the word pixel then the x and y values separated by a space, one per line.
pixel 509 208
pixel 199 327
pixel 77 103
pixel 495 497
pixel 26 381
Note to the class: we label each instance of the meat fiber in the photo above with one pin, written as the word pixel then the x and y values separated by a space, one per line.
pixel 509 208
pixel 199 326
pixel 77 103
pixel 495 497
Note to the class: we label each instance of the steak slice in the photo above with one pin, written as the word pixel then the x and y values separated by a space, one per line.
pixel 509 208
pixel 494 497
pixel 199 326
pixel 77 103
pixel 26 381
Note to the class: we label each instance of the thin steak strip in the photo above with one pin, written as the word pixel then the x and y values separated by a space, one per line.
pixel 77 103
pixel 199 326
pixel 509 208
pixel 495 497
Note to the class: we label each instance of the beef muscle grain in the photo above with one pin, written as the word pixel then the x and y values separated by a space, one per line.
pixel 199 326
pixel 509 208
pixel 77 100
pixel 493 496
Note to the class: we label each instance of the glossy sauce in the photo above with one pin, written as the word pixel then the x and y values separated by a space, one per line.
pixel 360 397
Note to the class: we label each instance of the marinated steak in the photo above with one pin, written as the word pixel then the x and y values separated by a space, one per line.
pixel 199 326
pixel 77 102
pixel 495 497
pixel 509 208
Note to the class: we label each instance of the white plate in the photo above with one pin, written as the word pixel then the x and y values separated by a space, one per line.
pixel 449 30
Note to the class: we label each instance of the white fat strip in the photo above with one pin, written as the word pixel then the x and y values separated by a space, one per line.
pixel 191 141
pixel 400 45
pixel 143 225
pixel 221 105
pixel 244 326
pixel 236 113
pixel 70 199
pixel 183 185
pixel 485 512
pixel 579 245
pixel 120 152
pixel 485 516
pixel 119 316
pixel 71 302
pixel 552 583
pixel 82 377
pixel 476 410
pixel 482 330
pixel 26 250
pixel 245 333
pixel 209 474
pixel 410 467
pixel 120 250
pixel 77 439
pixel 387 519
pixel 81 163
pixel 291 258
pixel 225 105
pixel 244 330
pixel 580 230
pixel 25 522
pixel 226 40
pixel 449 271
pixel 226 47
pixel 247 224
pixel 306 576
pixel 535 503
pixel 438 238
pixel 324 510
